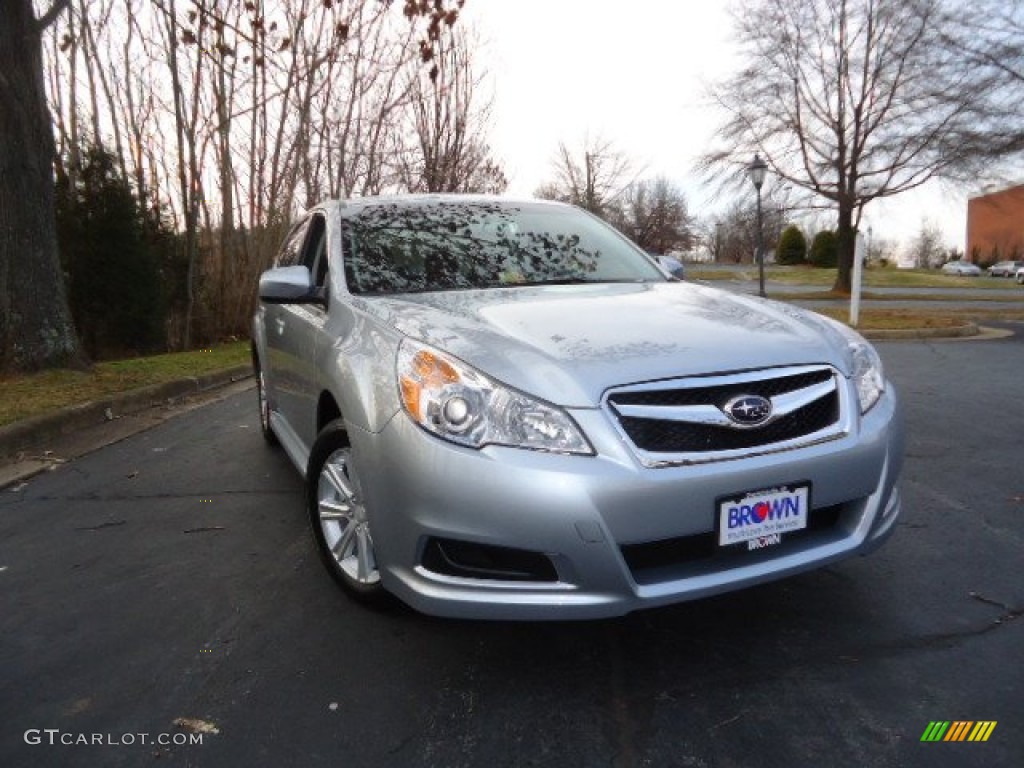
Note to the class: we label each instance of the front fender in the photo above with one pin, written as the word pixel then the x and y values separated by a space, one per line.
pixel 356 364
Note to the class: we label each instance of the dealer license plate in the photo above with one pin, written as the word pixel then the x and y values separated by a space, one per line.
pixel 760 518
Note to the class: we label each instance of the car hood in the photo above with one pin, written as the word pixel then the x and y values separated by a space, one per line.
pixel 569 344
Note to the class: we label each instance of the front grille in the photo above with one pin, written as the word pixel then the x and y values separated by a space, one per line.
pixel 681 437
pixel 695 394
pixel 685 418
pixel 656 561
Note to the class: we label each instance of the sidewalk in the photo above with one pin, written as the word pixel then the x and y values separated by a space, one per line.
pixel 42 442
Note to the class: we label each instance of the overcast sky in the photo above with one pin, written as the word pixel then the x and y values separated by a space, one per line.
pixel 633 72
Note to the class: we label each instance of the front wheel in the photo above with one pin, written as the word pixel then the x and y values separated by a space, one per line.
pixel 337 516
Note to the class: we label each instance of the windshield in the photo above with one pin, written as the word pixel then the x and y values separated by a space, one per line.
pixel 451 245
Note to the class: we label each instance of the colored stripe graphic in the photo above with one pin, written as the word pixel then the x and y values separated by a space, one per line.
pixel 958 730
pixel 935 731
pixel 982 730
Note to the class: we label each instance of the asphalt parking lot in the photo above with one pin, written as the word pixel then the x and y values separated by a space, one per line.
pixel 165 585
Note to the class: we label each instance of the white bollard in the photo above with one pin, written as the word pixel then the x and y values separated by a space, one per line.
pixel 859 254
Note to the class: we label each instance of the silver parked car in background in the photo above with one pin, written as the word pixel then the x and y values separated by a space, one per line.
pixel 961 268
pixel 506 410
pixel 1005 268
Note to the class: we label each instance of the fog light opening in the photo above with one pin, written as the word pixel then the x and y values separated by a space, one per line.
pixel 482 561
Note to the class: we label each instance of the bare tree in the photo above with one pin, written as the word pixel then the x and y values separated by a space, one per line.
pixel 927 248
pixel 593 179
pixel 731 236
pixel 362 118
pixel 262 108
pixel 655 215
pixel 448 121
pixel 36 329
pixel 991 37
pixel 854 100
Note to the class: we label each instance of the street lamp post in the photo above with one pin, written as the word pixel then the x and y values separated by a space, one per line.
pixel 757 170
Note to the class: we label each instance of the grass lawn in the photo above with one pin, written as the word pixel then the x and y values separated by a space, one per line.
pixel 896 319
pixel 874 277
pixel 24 396
pixel 908 296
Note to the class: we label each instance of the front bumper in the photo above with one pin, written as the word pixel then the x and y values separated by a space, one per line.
pixel 590 516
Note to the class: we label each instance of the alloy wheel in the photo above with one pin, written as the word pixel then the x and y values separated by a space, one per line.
pixel 343 520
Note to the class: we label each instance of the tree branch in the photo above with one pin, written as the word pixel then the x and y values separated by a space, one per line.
pixel 51 15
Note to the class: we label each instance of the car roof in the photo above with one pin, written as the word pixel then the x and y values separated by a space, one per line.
pixel 355 205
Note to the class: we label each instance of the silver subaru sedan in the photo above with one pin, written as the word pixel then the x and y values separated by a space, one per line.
pixel 507 410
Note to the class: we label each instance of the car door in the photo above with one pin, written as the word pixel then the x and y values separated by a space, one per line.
pixel 282 379
pixel 307 326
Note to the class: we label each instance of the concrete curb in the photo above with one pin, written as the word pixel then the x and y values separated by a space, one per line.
pixel 956 332
pixel 34 432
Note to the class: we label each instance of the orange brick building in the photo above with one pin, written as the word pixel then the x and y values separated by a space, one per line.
pixel 995 226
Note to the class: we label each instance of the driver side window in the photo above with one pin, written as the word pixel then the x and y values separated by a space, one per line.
pixel 291 249
pixel 315 253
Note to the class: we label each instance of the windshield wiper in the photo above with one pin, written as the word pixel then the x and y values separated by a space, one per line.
pixel 578 281
pixel 556 281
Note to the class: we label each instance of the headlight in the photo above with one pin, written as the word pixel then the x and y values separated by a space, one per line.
pixel 867 374
pixel 864 363
pixel 449 398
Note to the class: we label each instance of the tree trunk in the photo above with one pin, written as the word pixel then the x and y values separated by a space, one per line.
pixel 845 245
pixel 36 330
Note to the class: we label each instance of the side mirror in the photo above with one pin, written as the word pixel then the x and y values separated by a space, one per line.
pixel 673 266
pixel 289 285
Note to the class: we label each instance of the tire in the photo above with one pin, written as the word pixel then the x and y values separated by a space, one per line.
pixel 264 404
pixel 338 518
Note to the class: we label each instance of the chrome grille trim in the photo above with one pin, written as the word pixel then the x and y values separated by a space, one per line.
pixel 711 415
pixel 782 405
